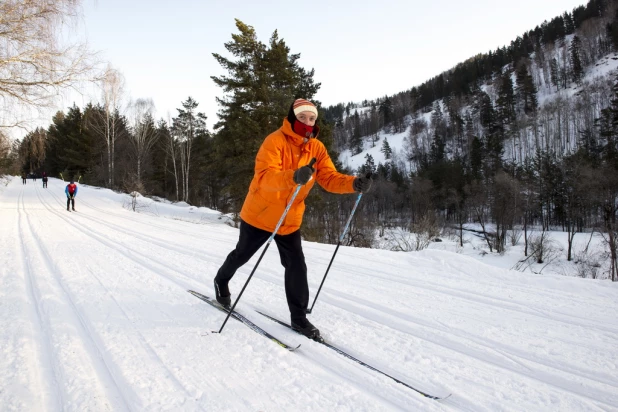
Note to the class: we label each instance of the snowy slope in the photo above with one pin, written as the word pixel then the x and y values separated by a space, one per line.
pixel 605 69
pixel 94 315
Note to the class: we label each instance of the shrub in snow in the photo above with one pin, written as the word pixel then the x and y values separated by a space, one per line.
pixel 515 236
pixel 587 264
pixel 419 238
pixel 542 247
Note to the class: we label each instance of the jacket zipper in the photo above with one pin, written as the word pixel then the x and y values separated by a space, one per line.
pixel 300 157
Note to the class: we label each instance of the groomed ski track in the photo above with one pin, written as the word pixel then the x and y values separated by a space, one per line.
pixel 95 316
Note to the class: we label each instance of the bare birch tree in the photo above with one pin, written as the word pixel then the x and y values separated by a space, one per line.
pixel 107 121
pixel 35 65
pixel 5 145
pixel 143 134
pixel 170 149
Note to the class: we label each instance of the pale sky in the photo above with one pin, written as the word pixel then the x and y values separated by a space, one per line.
pixel 359 49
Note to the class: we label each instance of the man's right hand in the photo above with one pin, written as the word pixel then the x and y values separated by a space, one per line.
pixel 302 175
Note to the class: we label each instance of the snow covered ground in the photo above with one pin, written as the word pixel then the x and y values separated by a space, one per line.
pixel 94 315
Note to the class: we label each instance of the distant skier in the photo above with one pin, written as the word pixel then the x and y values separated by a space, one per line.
pixel 281 164
pixel 44 180
pixel 23 178
pixel 71 192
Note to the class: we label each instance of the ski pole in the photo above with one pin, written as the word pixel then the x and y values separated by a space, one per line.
pixel 347 225
pixel 272 236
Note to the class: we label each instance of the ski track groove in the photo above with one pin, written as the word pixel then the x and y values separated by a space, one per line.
pixel 438 340
pixel 48 358
pixel 271 279
pixel 91 347
pixel 487 302
pixel 484 300
pixel 457 347
pixel 417 321
pixel 432 262
pixel 349 377
pixel 147 347
pixel 409 282
pixel 196 253
pixel 163 227
pixel 136 256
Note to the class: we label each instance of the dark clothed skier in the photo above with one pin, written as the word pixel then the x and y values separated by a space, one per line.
pixel 282 163
pixel 44 180
pixel 23 179
pixel 71 192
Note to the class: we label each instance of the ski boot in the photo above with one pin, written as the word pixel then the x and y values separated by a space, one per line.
pixel 304 327
pixel 223 295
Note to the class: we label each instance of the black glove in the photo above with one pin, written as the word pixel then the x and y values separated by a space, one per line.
pixel 362 184
pixel 302 175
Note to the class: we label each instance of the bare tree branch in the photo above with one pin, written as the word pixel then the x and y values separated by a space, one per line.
pixel 35 65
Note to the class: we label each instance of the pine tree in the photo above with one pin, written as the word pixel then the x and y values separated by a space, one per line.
pixel 487 112
pixel 494 148
pixel 576 61
pixel 526 90
pixel 187 127
pixel 72 145
pixel 437 150
pixel 505 103
pixel 611 31
pixel 386 149
pixel 569 26
pixel 384 170
pixel 555 73
pixel 476 158
pixel 162 165
pixel 369 166
pixel 357 135
pixel 608 126
pixel 386 110
pixel 261 83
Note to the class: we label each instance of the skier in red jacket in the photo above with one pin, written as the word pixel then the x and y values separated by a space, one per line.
pixel 71 192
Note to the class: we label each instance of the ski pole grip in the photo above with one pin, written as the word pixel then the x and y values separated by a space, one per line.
pixel 312 162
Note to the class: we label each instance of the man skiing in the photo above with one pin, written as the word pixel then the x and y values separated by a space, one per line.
pixel 44 180
pixel 71 192
pixel 281 164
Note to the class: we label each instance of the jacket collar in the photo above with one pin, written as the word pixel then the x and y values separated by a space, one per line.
pixel 296 139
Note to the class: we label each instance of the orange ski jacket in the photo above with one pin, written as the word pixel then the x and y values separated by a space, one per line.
pixel 272 187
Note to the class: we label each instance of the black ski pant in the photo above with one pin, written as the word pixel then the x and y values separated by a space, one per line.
pixel 44 182
pixel 70 200
pixel 292 259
